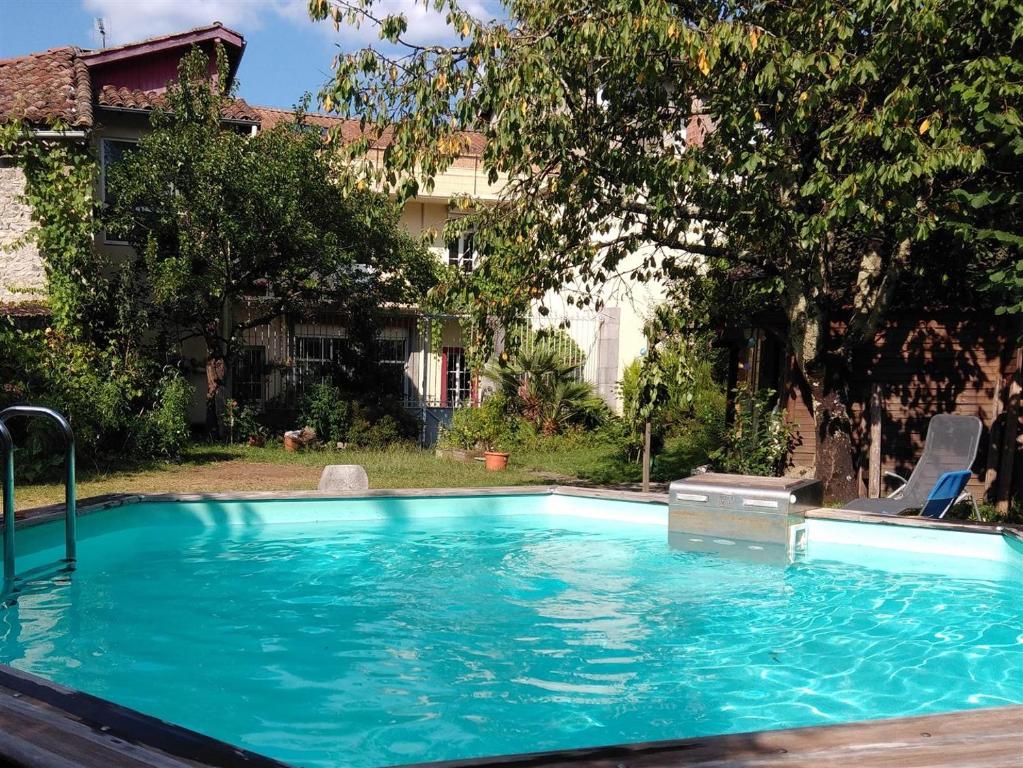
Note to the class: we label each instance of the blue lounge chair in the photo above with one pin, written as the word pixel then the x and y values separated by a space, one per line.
pixel 950 447
pixel 949 489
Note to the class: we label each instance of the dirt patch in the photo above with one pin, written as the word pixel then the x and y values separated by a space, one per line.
pixel 238 476
pixel 213 477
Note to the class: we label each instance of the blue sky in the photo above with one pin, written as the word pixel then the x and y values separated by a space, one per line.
pixel 287 54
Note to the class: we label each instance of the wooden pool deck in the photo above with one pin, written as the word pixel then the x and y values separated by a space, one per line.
pixel 44 725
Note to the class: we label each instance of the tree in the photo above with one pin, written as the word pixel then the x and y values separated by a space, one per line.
pixel 219 219
pixel 823 155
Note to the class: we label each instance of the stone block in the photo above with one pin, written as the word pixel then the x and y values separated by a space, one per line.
pixel 343 477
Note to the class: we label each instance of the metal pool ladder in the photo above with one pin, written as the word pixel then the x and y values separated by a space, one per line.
pixel 70 488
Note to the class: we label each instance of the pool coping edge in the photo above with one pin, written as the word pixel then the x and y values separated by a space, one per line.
pixel 44 514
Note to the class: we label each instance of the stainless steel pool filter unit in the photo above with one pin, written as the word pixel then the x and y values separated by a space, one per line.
pixel 741 515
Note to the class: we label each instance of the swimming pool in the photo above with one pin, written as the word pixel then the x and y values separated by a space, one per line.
pixel 394 630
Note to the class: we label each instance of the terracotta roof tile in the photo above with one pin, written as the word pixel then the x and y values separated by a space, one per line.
pixel 129 98
pixel 44 87
pixel 351 129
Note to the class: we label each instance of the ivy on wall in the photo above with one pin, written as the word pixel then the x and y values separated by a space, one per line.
pixel 60 176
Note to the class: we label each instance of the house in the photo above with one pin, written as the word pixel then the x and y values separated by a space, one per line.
pixel 104 98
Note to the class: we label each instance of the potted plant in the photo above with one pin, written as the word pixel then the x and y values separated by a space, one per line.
pixel 495 433
pixel 248 427
pixel 494 459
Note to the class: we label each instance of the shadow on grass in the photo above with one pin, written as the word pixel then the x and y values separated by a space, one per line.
pixel 202 454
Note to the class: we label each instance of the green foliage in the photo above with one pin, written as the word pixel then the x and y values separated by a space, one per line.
pixel 556 341
pixel 758 441
pixel 365 423
pixel 163 430
pixel 485 427
pixel 60 176
pixel 674 388
pixel 326 410
pixel 113 403
pixel 1007 282
pixel 248 425
pixel 855 147
pixel 663 383
pixel 988 512
pixel 219 219
pixel 540 386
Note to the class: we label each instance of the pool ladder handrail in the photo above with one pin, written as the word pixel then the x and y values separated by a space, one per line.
pixel 70 486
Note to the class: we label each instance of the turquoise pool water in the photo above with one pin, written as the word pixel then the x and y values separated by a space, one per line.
pixel 375 632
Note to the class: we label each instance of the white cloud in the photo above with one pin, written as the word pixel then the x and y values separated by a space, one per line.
pixel 128 20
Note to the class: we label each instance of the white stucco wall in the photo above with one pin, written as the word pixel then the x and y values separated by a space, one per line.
pixel 634 300
pixel 22 277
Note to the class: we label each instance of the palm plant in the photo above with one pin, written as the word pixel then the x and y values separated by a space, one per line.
pixel 542 387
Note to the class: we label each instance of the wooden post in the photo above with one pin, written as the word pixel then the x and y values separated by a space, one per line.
pixel 874 458
pixel 994 435
pixel 1009 433
pixel 733 382
pixel 646 458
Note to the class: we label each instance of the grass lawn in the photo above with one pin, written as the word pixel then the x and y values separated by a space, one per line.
pixel 210 468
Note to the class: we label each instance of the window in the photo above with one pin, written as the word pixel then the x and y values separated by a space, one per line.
pixel 113 152
pixel 392 355
pixel 456 384
pixel 317 355
pixel 462 252
pixel 249 372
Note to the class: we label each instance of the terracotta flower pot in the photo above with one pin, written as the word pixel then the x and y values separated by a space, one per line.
pixel 292 443
pixel 495 461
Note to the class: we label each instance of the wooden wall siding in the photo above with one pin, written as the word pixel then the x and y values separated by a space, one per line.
pixel 925 367
pixel 799 412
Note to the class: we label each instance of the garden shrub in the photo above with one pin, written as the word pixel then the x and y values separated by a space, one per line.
pixel 488 426
pixel 758 440
pixel 114 402
pixel 248 423
pixel 688 426
pixel 163 430
pixel 360 423
pixel 988 512
pixel 382 424
pixel 542 387
pixel 325 409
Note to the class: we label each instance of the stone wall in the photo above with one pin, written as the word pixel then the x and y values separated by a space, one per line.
pixel 21 269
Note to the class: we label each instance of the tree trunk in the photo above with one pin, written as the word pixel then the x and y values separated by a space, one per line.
pixel 809 335
pixel 216 394
pixel 217 351
pixel 833 427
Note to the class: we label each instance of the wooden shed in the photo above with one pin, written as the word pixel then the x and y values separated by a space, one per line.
pixel 919 366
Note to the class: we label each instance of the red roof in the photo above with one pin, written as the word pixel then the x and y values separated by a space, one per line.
pixel 57 84
pixel 351 129
pixel 189 37
pixel 130 98
pixel 44 87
